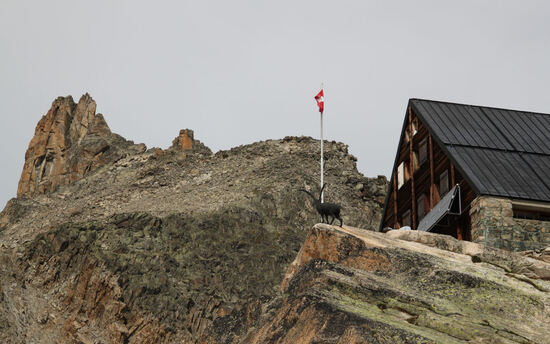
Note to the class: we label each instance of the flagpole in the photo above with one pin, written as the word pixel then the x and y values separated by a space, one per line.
pixel 322 160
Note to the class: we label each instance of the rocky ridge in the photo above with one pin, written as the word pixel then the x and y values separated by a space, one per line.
pixel 146 246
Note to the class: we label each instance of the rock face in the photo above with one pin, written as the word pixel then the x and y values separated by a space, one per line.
pixel 70 141
pixel 354 286
pixel 162 246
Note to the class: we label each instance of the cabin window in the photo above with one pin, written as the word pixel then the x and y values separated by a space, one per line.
pixel 414 127
pixel 400 175
pixel 403 174
pixel 421 206
pixel 406 219
pixel 443 183
pixel 408 134
pixel 423 151
pixel 528 214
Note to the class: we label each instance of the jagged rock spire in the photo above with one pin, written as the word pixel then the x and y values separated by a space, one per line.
pixel 70 141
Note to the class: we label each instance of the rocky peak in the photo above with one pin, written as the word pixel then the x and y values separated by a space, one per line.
pixel 185 143
pixel 70 141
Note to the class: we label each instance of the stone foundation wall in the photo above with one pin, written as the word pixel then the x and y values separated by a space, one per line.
pixel 493 224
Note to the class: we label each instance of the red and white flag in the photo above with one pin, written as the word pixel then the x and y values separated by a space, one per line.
pixel 320 98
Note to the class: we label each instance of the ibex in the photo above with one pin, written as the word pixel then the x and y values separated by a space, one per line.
pixel 325 209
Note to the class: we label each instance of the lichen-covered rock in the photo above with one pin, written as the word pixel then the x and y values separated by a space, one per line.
pixel 348 285
pixel 70 141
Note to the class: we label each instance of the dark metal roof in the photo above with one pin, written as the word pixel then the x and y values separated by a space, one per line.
pixel 499 152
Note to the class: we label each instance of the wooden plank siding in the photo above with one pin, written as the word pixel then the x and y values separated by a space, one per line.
pixel 424 180
pixel 412 169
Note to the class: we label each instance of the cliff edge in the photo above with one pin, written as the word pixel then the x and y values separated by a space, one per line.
pixel 349 285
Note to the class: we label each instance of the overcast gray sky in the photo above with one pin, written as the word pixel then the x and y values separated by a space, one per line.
pixel 237 72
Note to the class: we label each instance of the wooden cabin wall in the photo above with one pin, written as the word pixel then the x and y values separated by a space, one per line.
pixel 425 182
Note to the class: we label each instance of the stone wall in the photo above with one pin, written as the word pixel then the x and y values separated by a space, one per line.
pixel 493 224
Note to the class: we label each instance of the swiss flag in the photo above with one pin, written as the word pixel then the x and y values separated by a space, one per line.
pixel 320 98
